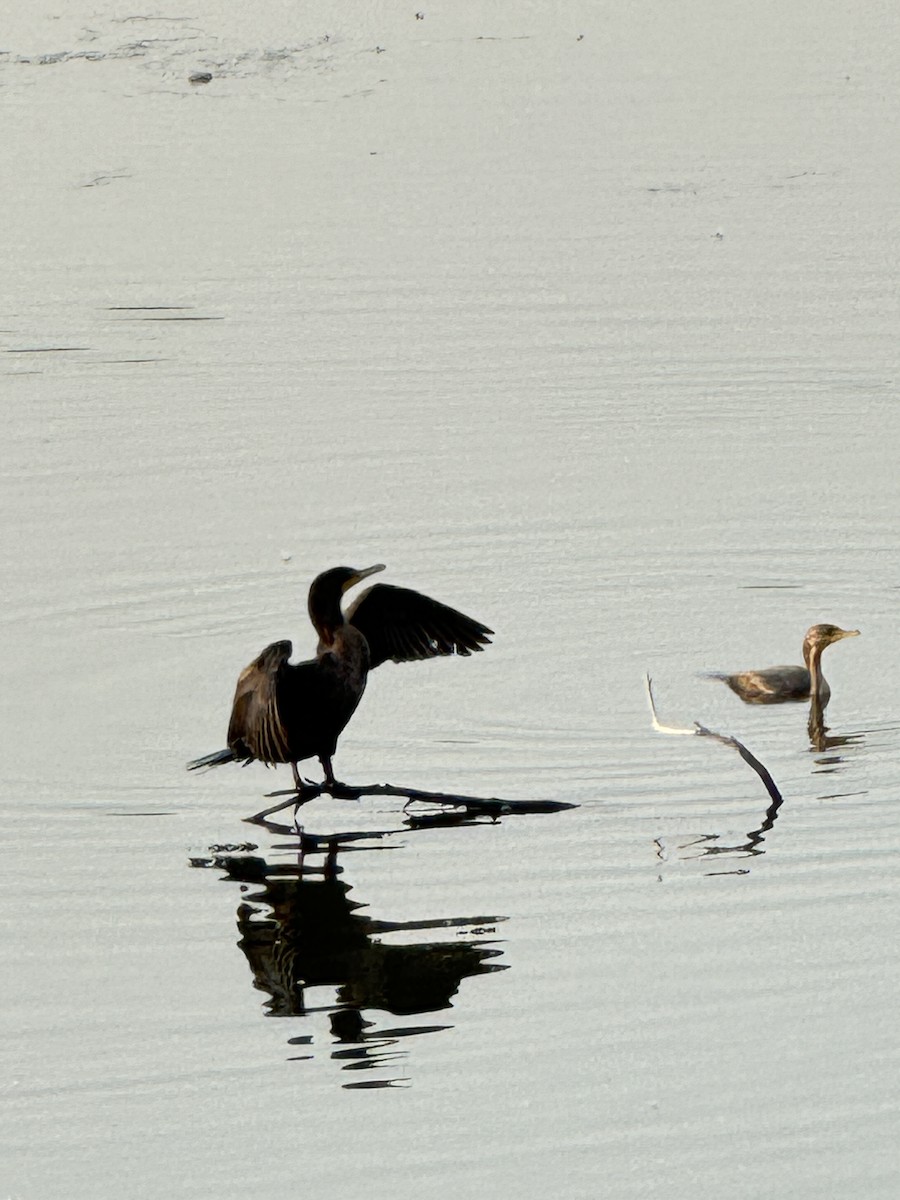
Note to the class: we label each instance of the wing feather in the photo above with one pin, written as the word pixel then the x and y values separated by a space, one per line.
pixel 405 626
pixel 256 729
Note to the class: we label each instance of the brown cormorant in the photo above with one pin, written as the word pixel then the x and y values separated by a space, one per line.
pixel 284 713
pixel 775 685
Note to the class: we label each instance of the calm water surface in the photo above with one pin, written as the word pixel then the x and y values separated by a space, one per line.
pixel 581 321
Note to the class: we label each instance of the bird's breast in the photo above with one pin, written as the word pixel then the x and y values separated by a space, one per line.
pixel 348 658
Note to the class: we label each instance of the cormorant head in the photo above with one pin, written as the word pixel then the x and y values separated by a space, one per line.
pixel 326 591
pixel 820 636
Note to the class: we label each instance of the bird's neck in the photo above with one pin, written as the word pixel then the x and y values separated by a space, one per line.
pixel 811 656
pixel 327 618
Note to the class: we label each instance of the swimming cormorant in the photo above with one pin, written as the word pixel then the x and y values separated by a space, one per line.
pixel 284 713
pixel 775 685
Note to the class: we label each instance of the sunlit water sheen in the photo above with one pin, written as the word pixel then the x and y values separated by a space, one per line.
pixel 584 322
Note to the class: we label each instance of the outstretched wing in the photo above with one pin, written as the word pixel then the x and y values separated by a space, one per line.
pixel 404 625
pixel 255 729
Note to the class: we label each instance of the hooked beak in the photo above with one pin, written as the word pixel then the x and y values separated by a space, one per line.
pixel 844 633
pixel 361 575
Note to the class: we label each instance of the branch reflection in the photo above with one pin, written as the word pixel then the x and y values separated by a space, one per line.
pixel 709 845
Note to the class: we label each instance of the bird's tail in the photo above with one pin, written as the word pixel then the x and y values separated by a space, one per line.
pixel 211 760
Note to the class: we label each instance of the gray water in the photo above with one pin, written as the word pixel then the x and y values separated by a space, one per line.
pixel 585 322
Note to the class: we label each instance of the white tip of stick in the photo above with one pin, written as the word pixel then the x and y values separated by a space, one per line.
pixel 672 729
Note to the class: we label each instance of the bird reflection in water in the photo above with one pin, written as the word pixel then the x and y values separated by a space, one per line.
pixel 820 737
pixel 300 929
pixel 827 746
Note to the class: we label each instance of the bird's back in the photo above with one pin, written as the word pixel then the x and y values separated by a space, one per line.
pixel 774 685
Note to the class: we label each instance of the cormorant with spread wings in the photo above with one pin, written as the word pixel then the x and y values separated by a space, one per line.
pixel 284 713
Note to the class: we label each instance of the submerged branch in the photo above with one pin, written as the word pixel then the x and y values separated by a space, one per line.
pixel 699 730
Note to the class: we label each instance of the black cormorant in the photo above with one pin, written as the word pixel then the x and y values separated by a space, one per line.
pixel 284 713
